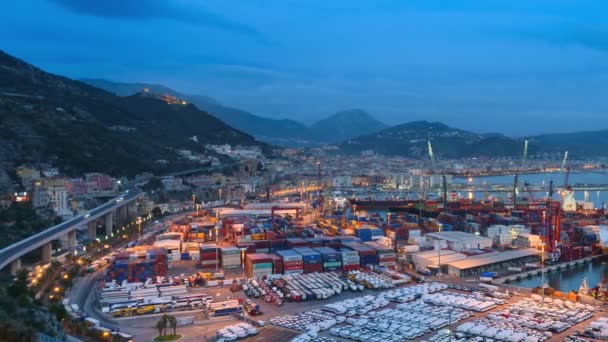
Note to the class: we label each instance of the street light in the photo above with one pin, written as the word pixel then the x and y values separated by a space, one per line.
pixel 542 271
pixel 217 239
pixel 439 252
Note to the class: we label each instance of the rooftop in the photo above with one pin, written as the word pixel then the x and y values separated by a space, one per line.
pixel 457 236
pixel 492 258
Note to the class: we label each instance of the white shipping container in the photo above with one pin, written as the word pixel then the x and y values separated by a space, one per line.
pixel 387 263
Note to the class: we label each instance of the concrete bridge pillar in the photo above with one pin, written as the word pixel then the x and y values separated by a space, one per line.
pixel 121 216
pixel 109 219
pixel 131 211
pixel 47 252
pixel 15 266
pixel 92 230
pixel 71 240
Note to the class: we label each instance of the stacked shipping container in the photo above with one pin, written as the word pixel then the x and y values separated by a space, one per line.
pixel 258 265
pixel 292 262
pixel 386 255
pixel 570 253
pixel 231 258
pixel 332 260
pixel 296 242
pixel 262 246
pixel 350 259
pixel 277 264
pixel 138 265
pixel 314 242
pixel 277 245
pixel 210 256
pixel 367 255
pixel 311 259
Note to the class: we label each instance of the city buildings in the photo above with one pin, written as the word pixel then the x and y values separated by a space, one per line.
pixel 58 196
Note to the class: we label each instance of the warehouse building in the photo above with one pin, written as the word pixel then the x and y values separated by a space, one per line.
pixel 490 262
pixel 459 241
pixel 430 259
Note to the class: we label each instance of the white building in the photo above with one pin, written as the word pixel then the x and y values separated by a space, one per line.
pixel 525 240
pixel 171 183
pixel 342 181
pixel 40 196
pixel 58 197
pixel 459 241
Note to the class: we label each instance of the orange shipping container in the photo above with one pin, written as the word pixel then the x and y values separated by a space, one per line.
pixel 559 294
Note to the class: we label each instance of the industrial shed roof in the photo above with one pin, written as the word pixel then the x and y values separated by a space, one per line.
pixel 492 259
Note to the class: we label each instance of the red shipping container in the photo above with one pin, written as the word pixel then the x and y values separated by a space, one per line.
pixel 292 268
pixel 350 267
pixel 311 268
pixel 293 263
pixel 262 244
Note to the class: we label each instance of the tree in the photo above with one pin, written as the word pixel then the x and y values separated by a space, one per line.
pixel 161 325
pixel 157 212
pixel 19 286
pixel 153 184
pixel 173 324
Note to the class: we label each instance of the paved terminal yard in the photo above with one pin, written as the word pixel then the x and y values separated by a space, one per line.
pixel 143 327
pixel 278 334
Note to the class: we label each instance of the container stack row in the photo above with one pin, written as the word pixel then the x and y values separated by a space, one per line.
pixel 331 259
pixel 386 255
pixel 296 242
pixel 258 265
pixel 210 257
pixel 292 262
pixel 367 255
pixel 138 265
pixel 231 257
pixel 277 264
pixel 311 259
pixel 350 259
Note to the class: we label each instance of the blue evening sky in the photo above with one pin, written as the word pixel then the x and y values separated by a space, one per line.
pixel 513 66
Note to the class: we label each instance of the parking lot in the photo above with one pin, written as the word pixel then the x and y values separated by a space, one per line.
pixel 455 318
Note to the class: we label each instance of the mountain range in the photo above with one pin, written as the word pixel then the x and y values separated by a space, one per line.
pixel 355 131
pixel 411 140
pixel 81 128
pixel 284 132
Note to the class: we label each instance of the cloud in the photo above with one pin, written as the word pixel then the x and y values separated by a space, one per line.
pixel 156 9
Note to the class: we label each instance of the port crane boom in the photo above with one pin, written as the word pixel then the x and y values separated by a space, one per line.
pixel 516 176
pixel 444 182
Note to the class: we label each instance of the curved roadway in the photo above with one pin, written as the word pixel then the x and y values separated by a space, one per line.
pixel 18 249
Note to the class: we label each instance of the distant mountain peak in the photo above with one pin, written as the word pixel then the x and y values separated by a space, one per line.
pixel 409 139
pixel 81 128
pixel 345 125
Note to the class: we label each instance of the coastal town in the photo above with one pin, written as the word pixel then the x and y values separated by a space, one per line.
pixel 303 171
pixel 312 248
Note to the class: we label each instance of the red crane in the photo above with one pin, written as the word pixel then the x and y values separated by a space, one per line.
pixel 552 224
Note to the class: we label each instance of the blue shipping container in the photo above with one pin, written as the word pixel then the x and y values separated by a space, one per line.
pixel 308 255
pixel 366 260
